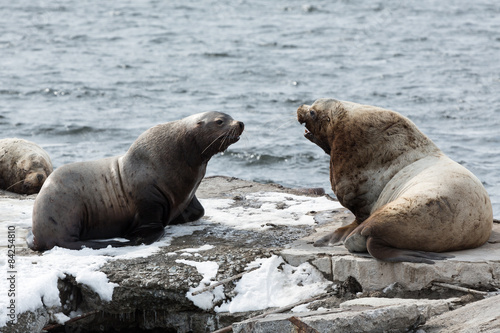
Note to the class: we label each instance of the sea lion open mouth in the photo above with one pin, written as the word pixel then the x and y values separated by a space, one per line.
pixel 302 114
pixel 308 134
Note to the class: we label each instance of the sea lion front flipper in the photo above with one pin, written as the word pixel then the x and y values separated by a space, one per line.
pixel 194 211
pixel 92 244
pixel 146 234
pixel 380 250
pixel 149 223
pixel 338 236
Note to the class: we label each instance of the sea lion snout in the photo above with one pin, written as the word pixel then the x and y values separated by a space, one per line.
pixel 302 113
pixel 236 129
pixel 34 181
pixel 40 177
pixel 240 126
pixel 314 132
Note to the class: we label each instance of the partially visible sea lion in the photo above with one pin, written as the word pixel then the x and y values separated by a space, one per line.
pixel 24 166
pixel 410 201
pixel 133 196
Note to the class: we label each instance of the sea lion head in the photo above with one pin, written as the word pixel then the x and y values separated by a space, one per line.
pixel 34 170
pixel 319 119
pixel 215 132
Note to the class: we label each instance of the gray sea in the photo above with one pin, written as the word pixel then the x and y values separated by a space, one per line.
pixel 84 78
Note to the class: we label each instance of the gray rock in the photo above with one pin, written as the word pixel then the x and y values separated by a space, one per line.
pixel 479 317
pixel 359 315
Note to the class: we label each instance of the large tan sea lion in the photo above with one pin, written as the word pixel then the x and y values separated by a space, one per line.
pixel 410 201
pixel 24 166
pixel 136 195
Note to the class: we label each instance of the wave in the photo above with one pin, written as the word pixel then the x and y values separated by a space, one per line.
pixel 251 158
pixel 217 54
pixel 64 130
pixel 9 92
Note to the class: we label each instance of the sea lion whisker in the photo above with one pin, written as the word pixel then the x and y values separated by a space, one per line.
pixel 11 186
pixel 232 132
pixel 224 138
pixel 283 123
pixel 286 123
pixel 229 134
pixel 211 143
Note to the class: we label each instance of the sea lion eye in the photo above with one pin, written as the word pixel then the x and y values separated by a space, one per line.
pixel 219 122
pixel 312 113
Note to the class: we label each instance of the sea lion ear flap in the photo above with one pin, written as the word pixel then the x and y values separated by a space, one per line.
pixel 200 123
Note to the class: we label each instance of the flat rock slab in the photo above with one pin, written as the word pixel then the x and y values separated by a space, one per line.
pixel 359 315
pixel 479 317
pixel 478 267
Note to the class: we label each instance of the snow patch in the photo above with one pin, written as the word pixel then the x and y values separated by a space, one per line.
pixel 265 208
pixel 275 284
pixel 208 270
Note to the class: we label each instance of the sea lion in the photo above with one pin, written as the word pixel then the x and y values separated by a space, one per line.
pixel 133 196
pixel 410 201
pixel 24 166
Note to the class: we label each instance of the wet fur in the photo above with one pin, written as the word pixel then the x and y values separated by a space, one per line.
pixel 406 195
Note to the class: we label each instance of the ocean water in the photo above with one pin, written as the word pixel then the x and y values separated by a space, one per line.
pixel 84 79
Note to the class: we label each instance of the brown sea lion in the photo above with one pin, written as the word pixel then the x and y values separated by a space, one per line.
pixel 136 195
pixel 410 201
pixel 24 166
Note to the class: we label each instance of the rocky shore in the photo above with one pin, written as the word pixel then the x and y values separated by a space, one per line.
pixel 247 266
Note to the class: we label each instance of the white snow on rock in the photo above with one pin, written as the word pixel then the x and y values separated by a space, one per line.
pixel 208 269
pixel 201 248
pixel 266 208
pixel 275 284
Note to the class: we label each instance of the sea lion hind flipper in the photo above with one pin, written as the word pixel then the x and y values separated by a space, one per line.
pixel 338 236
pixel 194 211
pixel 380 250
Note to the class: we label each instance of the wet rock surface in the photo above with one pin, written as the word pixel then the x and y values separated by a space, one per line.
pixel 365 295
